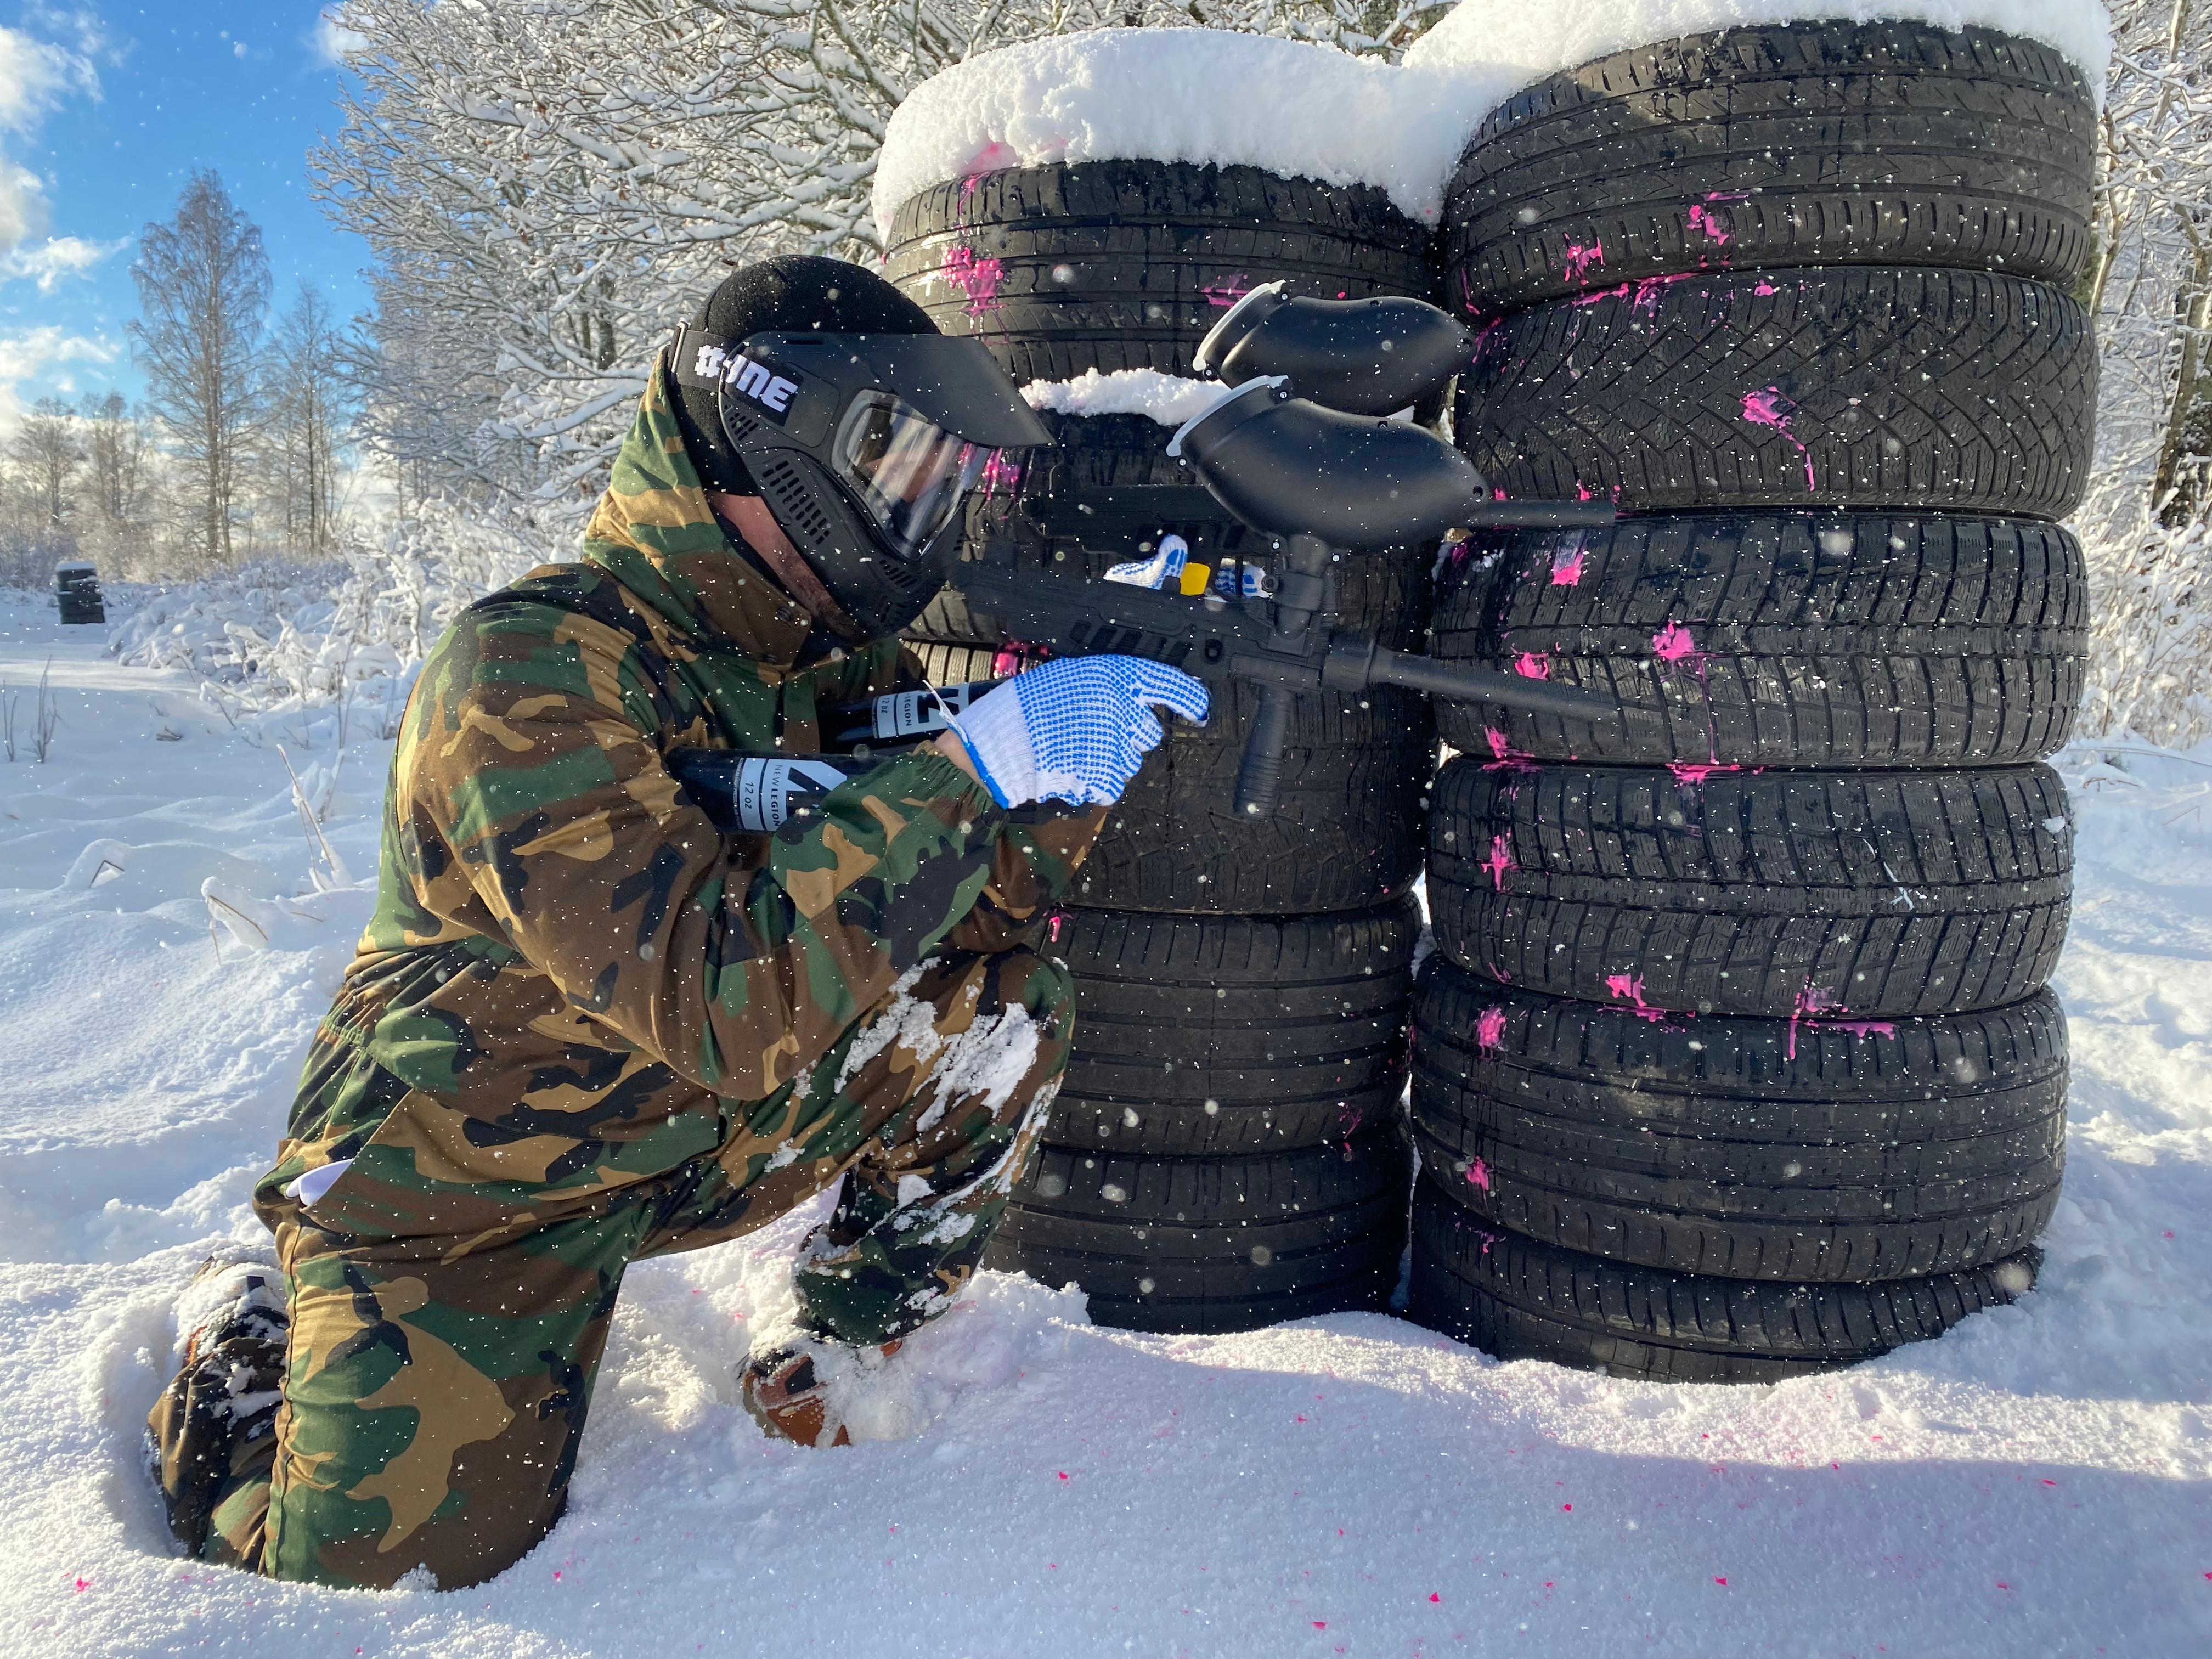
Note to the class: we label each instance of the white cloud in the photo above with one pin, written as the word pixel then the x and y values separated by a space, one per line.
pixel 333 40
pixel 58 257
pixel 36 75
pixel 22 205
pixel 35 352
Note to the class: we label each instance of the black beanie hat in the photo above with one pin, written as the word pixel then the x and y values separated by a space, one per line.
pixel 790 294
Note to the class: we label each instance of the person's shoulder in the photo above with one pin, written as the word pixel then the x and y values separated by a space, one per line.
pixel 545 604
pixel 555 609
pixel 567 628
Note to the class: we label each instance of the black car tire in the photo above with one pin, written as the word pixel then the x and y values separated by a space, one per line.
pixel 1838 895
pixel 1811 639
pixel 1796 1150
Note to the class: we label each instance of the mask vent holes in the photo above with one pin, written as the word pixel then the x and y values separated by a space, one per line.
pixel 794 502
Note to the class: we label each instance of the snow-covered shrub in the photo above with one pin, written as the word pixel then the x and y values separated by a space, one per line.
pixel 2150 667
pixel 270 633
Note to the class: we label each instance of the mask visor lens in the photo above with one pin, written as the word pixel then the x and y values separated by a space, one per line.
pixel 908 473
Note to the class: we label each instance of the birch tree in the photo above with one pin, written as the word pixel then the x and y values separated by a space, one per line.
pixel 202 280
pixel 307 399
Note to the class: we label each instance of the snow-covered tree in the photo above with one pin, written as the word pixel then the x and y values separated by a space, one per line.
pixel 551 185
pixel 2145 523
pixel 203 280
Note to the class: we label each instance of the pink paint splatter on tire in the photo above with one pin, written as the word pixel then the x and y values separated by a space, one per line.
pixel 1641 294
pixel 1811 1001
pixel 1696 772
pixel 1499 861
pixel 1580 259
pixel 1673 644
pixel 1478 1174
pixel 1629 988
pixel 977 278
pixel 1714 226
pixel 1768 407
pixel 1224 294
pixel 1532 666
pixel 1503 756
pixel 1567 564
pixel 1489 1029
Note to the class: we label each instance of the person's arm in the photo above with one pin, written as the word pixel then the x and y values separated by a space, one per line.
pixel 530 754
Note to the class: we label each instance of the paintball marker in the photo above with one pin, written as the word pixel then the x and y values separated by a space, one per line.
pixel 1315 479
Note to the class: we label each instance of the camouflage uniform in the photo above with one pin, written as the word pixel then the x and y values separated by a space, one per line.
pixel 583 1027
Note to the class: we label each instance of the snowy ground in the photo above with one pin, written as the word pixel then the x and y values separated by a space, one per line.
pixel 2039 1481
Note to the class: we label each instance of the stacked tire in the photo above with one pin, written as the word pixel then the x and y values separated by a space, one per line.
pixel 1734 1060
pixel 1227 1149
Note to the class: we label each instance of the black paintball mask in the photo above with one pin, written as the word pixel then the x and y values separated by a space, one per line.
pixel 863 446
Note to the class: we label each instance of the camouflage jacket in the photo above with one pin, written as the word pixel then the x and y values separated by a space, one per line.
pixel 572 982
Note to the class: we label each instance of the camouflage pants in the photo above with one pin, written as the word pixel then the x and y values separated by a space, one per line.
pixel 434 1389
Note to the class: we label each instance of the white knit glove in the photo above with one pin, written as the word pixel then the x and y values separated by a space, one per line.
pixel 1076 729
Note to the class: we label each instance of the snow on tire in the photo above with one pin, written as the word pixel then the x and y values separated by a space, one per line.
pixel 1189 1244
pixel 1865 386
pixel 1802 1150
pixel 1811 143
pixel 1832 894
pixel 1113 265
pixel 1219 1034
pixel 1781 639
pixel 1517 1299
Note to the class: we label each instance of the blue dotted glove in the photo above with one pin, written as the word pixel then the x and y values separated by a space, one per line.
pixel 1076 729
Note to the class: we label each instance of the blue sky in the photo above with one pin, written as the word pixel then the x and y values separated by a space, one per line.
pixel 104 109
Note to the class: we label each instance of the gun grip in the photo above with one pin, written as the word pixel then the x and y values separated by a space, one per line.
pixel 1260 776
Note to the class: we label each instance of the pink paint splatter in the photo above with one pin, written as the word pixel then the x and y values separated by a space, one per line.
pixel 1489 1029
pixel 1764 287
pixel 1580 258
pixel 1695 772
pixel 1673 644
pixel 1532 666
pixel 992 157
pixel 1499 861
pixel 1224 294
pixel 1641 294
pixel 1567 563
pixel 978 279
pixel 1628 988
pixel 1811 1001
pixel 1720 1581
pixel 1706 223
pixel 1768 407
pixel 1503 756
pixel 1000 472
pixel 1478 1174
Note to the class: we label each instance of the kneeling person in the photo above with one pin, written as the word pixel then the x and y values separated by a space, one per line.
pixel 583 1027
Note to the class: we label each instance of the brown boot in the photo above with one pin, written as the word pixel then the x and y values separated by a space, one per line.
pixel 789 1401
